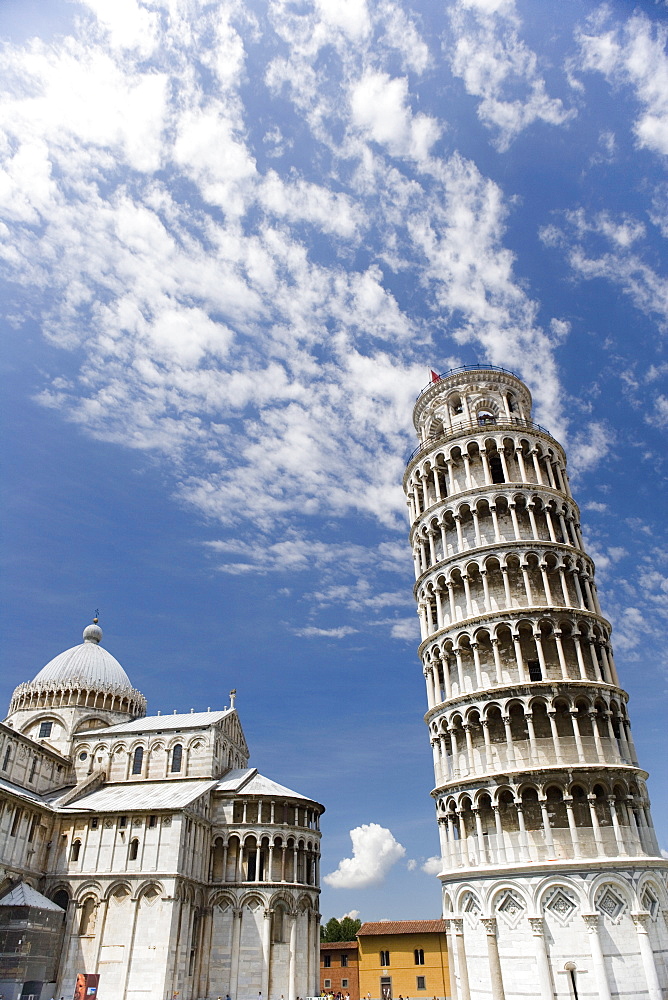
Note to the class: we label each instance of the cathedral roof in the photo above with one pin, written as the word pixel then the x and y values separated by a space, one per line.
pixel 153 723
pixel 249 782
pixel 85 666
pixel 23 894
pixel 141 796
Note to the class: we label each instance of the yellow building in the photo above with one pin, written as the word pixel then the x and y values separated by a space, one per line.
pixel 403 958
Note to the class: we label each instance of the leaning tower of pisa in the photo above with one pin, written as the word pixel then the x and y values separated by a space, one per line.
pixel 553 882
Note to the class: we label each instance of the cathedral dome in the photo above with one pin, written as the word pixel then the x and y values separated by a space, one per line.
pixel 85 676
pixel 87 665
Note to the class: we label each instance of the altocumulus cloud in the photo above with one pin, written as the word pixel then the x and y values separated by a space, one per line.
pixel 375 851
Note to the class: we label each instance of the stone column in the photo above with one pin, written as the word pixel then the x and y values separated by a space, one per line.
pixel 537 468
pixel 467 470
pixel 564 586
pixel 500 842
pixel 454 992
pixel 506 587
pixel 485 467
pixel 292 969
pixel 600 974
pixel 495 523
pixel 575 839
pixel 451 598
pixel 542 961
pixel 444 539
pixel 460 536
pixel 476 526
pixel 518 657
pixel 641 921
pixel 489 923
pixel 462 969
pixel 482 851
pixel 560 653
pixel 578 652
pixel 446 676
pixel 266 950
pixel 547 829
pixel 438 591
pixel 467 595
pixel 432 548
pixel 485 590
pixel 550 523
pixel 556 742
pixel 527 583
pixel 532 521
pixel 497 660
pixel 619 839
pixel 476 661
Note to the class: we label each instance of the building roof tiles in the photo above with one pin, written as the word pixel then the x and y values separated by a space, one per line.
pixel 141 796
pixel 403 927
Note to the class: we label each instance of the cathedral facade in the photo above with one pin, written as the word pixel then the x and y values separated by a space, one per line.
pixel 145 850
pixel 553 882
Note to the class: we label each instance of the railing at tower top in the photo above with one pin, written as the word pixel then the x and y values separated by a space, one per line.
pixel 481 424
pixel 466 368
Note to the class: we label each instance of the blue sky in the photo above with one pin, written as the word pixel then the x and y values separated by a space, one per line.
pixel 234 237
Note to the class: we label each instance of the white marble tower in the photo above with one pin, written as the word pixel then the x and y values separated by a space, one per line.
pixel 553 882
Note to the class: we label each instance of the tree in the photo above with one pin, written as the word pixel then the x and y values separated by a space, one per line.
pixel 340 930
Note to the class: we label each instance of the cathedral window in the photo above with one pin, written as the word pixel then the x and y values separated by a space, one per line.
pixel 384 958
pixel 94 822
pixel 15 822
pixel 45 729
pixel 137 760
pixel 278 925
pixel 496 468
pixel 33 827
pixel 87 922
pixel 6 758
pixel 75 850
pixel 122 822
pixel 152 822
pixel 177 757
pixel 134 849
pixel 535 673
pixel 33 768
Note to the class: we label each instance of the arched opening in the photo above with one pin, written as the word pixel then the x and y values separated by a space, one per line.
pixel 87 920
pixel 137 760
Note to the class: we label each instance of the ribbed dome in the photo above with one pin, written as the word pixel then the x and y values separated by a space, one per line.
pixel 86 666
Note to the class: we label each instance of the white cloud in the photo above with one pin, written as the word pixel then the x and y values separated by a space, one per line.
pixel 311 632
pixel 601 246
pixel 353 914
pixel 589 446
pixel 633 53
pixel 375 851
pixel 229 315
pixel 408 628
pixel 495 65
pixel 380 109
pixel 433 866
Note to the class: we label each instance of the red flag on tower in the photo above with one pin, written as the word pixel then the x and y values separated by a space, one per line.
pixel 435 377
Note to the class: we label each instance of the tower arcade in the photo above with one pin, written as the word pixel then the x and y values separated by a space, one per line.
pixel 553 882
